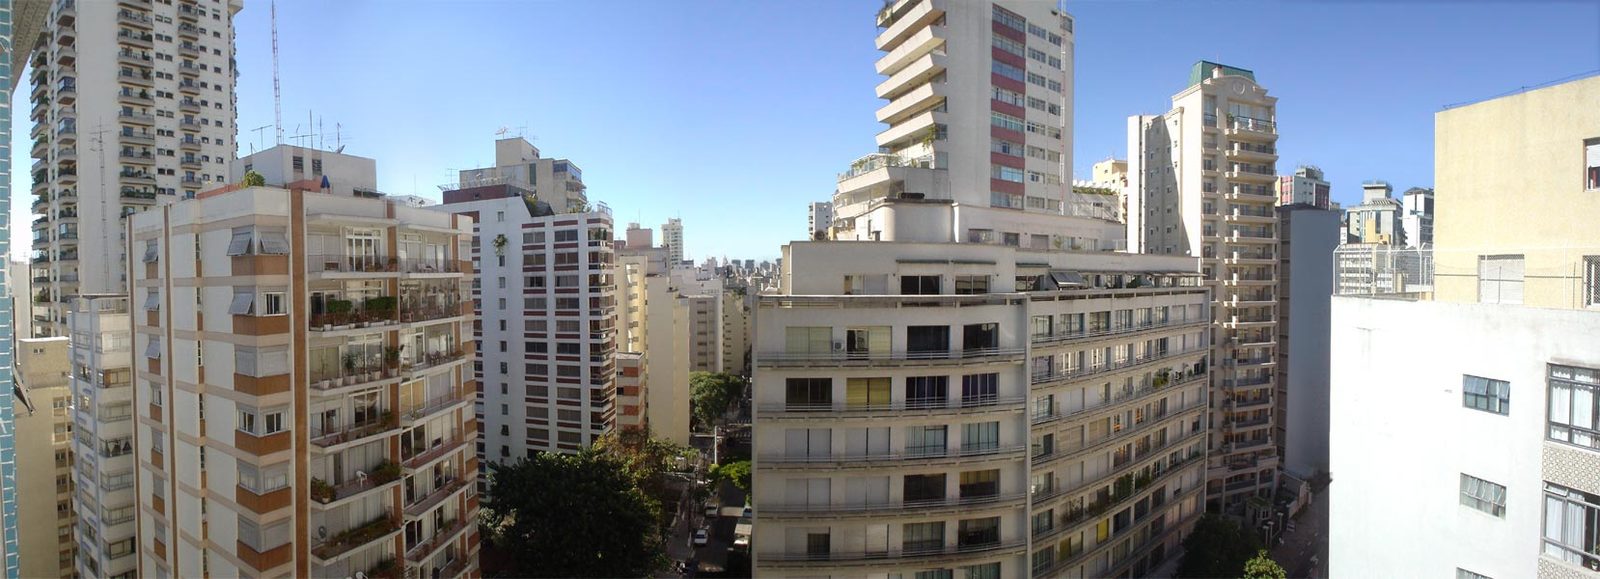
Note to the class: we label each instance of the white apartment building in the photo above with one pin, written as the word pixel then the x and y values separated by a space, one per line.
pixel 672 239
pixel 1378 218
pixel 302 399
pixel 1480 393
pixel 819 218
pixel 1416 221
pixel 1201 184
pixel 133 107
pixel 1002 412
pixel 104 501
pixel 957 75
pixel 546 303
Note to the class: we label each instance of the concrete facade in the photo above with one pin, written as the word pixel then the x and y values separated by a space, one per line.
pixel 1305 187
pixel 43 430
pixel 302 395
pixel 1305 286
pixel 672 239
pixel 819 219
pixel 1201 184
pixel 1417 219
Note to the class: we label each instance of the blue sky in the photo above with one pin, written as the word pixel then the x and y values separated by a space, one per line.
pixel 733 115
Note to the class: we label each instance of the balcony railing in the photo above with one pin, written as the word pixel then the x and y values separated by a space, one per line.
pixel 893 458
pixel 435 405
pixel 446 446
pixel 1172 381
pixel 874 358
pixel 948 404
pixel 338 263
pixel 444 533
pixel 904 506
pixel 895 554
pixel 441 489
pixel 1086 334
pixel 1247 382
pixel 1250 124
pixel 411 311
pixel 340 435
pixel 347 540
pixel 1052 375
pixel 384 473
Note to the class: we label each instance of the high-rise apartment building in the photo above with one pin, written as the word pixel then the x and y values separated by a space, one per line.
pixel 672 239
pixel 957 75
pixel 546 307
pixel 14 19
pixel 819 219
pixel 104 499
pixel 1481 394
pixel 302 399
pixel 517 162
pixel 1305 187
pixel 1416 221
pixel 1201 184
pixel 1002 412
pixel 654 321
pixel 133 107
pixel 1309 235
pixel 1377 218
pixel 43 429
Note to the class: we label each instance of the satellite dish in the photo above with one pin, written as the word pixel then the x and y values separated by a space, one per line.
pixel 339 150
pixel 322 532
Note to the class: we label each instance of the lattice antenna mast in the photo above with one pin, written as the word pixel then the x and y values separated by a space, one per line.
pixel 277 94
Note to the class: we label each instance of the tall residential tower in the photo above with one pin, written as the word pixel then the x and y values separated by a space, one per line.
pixel 1201 184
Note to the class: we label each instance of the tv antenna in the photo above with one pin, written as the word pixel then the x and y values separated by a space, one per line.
pixel 277 93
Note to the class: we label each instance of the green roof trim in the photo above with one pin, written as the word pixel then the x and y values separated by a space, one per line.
pixel 1202 70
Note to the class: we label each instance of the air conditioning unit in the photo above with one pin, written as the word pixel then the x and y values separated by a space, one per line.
pixel 838 346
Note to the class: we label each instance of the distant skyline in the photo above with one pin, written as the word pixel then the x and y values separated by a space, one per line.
pixel 734 116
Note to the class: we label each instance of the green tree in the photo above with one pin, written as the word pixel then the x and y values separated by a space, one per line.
pixel 710 395
pixel 737 471
pixel 1263 567
pixel 578 515
pixel 645 459
pixel 1218 547
pixel 254 179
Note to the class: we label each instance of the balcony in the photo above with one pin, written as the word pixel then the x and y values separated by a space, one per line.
pixel 904 408
pixel 412 312
pixel 137 138
pixel 1245 322
pixel 1241 404
pixel 905 556
pixel 330 439
pixel 129 96
pixel 144 79
pixel 441 490
pixel 189 31
pixel 897 459
pixel 436 405
pixel 134 19
pixel 1161 383
pixel 1252 152
pixel 423 267
pixel 137 158
pixel 355 377
pixel 137 178
pixel 434 360
pixel 891 358
pixel 189 105
pixel 192 183
pixel 132 194
pixel 324 494
pixel 1243 383
pixel 1073 337
pixel 189 87
pixel 1052 376
pixel 443 448
pixel 328 265
pixel 1246 127
pixel 917 508
pixel 442 535
pixel 343 315
pixel 136 118
pixel 380 529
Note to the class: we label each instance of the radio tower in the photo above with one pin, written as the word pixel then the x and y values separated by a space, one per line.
pixel 277 95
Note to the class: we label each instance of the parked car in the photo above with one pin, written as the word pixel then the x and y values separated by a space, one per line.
pixel 711 510
pixel 746 514
pixel 701 537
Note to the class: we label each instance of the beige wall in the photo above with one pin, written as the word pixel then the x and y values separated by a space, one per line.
pixel 1509 176
pixel 42 366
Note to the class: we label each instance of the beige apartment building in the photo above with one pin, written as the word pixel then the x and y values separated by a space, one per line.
pixel 995 411
pixel 1201 183
pixel 1480 380
pixel 303 393
pixel 653 321
pixel 43 431
pixel 133 107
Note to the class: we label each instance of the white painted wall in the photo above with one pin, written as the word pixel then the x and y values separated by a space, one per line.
pixel 1306 285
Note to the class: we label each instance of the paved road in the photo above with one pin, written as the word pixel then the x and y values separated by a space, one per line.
pixel 1309 539
pixel 714 555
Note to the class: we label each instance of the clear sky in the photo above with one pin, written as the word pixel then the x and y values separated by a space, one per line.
pixel 733 115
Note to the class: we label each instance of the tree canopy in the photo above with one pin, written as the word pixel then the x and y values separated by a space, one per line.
pixel 1218 547
pixel 736 471
pixel 254 179
pixel 646 460
pixel 579 515
pixel 712 393
pixel 1263 567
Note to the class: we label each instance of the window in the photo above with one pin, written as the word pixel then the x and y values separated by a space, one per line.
pixel 1571 523
pixel 924 487
pixel 979 389
pixel 1005 147
pixel 808 442
pixel 980 436
pixel 984 571
pixel 927 341
pixel 1483 495
pixel 980 483
pixel 980 337
pixel 1591 164
pixel 1575 406
pixel 1008 45
pixel 925 440
pixel 273 304
pixel 927 391
pixel 922 537
pixel 1006 121
pixel 808 341
pixel 926 285
pixel 808 393
pixel 973 532
pixel 972 284
pixel 1500 279
pixel 866 392
pixel 151 252
pixel 1005 173
pixel 247 421
pixel 1008 71
pixel 1465 574
pixel 1486 394
pixel 1591 280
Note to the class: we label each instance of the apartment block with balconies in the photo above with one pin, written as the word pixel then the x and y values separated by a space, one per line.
pixel 303 395
pixel 104 499
pixel 1202 183
pixel 132 107
pixel 957 76
pixel 941 407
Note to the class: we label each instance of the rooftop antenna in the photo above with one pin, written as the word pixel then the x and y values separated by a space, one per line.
pixel 277 94
pixel 259 136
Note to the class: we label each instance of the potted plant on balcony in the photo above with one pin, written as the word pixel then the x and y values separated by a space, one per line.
pixel 321 491
pixel 386 472
pixel 391 359
pixel 339 312
pixel 381 308
pixel 349 360
pixel 499 244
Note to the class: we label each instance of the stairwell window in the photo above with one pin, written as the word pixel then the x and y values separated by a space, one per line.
pixel 1483 495
pixel 1500 279
pixel 1591 281
pixel 1486 394
pixel 1591 164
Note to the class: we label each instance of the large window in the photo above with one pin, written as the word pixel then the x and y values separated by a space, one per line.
pixel 927 391
pixel 980 483
pixel 974 532
pixel 1500 279
pixel 1571 525
pixel 808 341
pixel 972 284
pixel 1008 71
pixel 1483 495
pixel 980 436
pixel 980 337
pixel 925 440
pixel 1486 394
pixel 808 442
pixel 929 341
pixel 979 389
pixel 1005 173
pixel 866 392
pixel 808 393
pixel 1575 406
pixel 923 487
pixel 919 285
pixel 922 537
